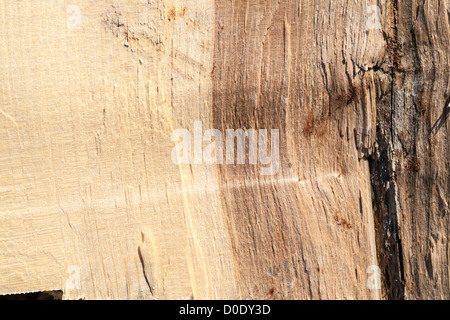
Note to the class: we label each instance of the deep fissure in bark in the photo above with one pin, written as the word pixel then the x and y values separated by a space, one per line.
pixel 382 169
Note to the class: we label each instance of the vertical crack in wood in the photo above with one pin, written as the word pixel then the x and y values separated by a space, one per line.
pixel 141 258
pixel 383 175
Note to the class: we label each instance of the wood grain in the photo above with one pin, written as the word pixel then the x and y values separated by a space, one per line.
pixel 89 194
pixel 86 170
pixel 308 231
pixel 411 165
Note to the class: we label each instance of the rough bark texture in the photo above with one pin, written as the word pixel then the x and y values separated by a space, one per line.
pixel 358 89
pixel 411 165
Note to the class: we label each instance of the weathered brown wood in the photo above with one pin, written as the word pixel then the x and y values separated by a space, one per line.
pixel 308 231
pixel 411 167
pixel 92 204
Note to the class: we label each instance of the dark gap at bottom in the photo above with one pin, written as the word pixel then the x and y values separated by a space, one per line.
pixel 45 295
